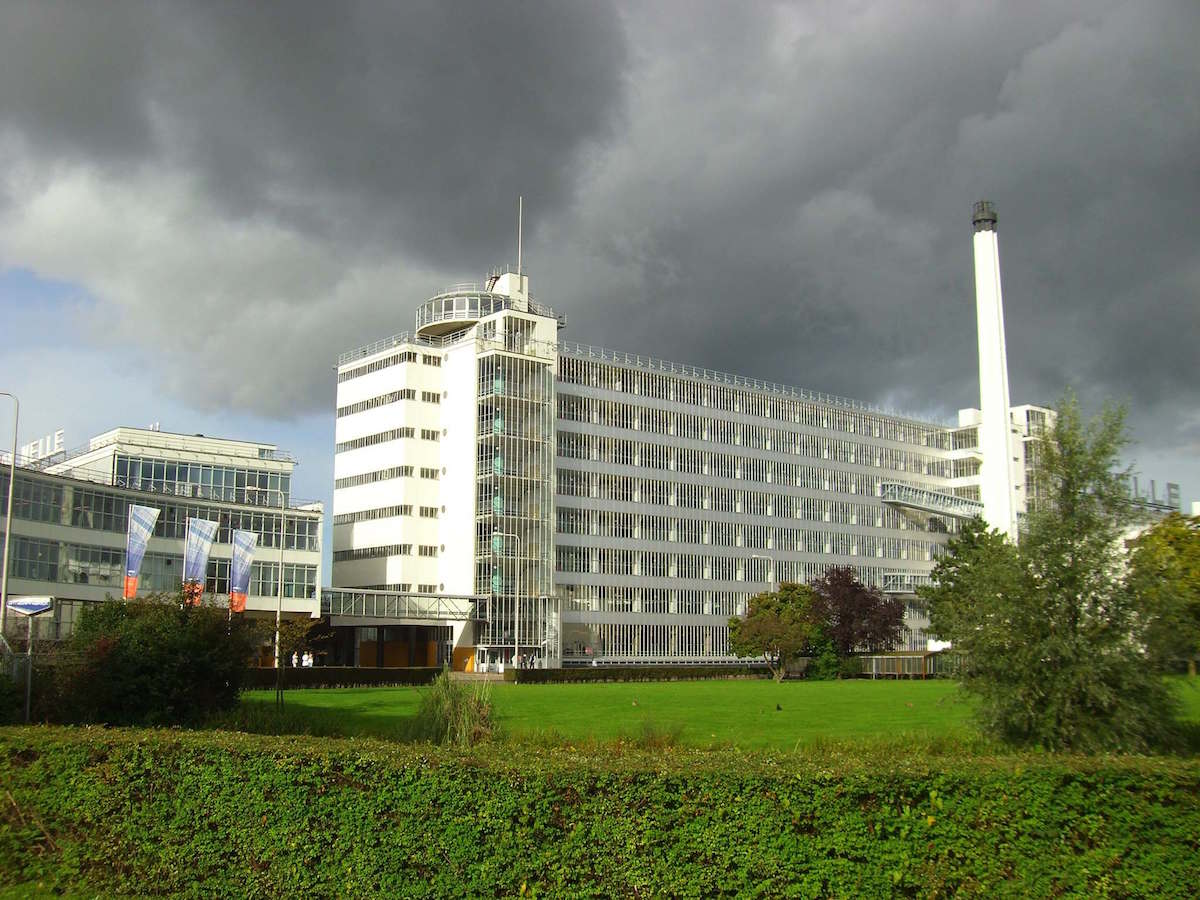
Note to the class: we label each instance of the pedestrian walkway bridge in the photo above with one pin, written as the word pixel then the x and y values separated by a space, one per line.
pixel 393 607
pixel 907 496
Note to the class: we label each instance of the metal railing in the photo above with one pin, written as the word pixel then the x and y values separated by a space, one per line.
pixel 393 605
pixel 619 357
pixel 898 494
pixel 399 340
pixel 168 442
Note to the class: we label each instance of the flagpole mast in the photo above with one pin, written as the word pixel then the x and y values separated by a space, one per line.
pixel 279 601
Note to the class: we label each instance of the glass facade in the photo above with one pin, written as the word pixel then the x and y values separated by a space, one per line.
pixel 679 498
pixel 514 496
pixel 63 562
pixel 232 484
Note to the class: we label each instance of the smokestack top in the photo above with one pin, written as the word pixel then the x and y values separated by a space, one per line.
pixel 984 216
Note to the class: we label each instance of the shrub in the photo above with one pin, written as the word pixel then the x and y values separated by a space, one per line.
pixel 339 676
pixel 454 712
pixel 150 661
pixel 12 698
pixel 576 674
pixel 95 812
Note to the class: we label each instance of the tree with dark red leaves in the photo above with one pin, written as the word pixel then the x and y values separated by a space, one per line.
pixel 854 616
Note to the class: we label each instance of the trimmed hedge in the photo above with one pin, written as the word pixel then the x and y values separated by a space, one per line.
pixel 339 676
pixel 137 812
pixel 574 674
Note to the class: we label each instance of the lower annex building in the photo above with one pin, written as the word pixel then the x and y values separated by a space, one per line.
pixel 71 514
pixel 600 506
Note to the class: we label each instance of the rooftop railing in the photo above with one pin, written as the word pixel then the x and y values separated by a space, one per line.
pixel 172 444
pixel 399 340
pixel 660 365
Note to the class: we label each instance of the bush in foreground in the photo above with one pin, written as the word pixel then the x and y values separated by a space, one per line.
pixel 207 814
pixel 153 661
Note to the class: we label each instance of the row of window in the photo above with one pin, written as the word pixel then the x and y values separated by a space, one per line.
pixel 652 420
pixel 380 552
pixel 700 532
pixel 373 477
pixel 659 492
pixel 621 451
pixel 394 434
pixel 658 527
pixel 599 597
pixel 695 392
pixel 67 563
pixel 712 567
pixel 384 551
pixel 642 642
pixel 403 587
pixel 233 484
pixel 100 510
pixel 370 515
pixel 376 402
pixel 374 366
pixel 370 440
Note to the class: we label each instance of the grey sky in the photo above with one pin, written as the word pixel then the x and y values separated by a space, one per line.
pixel 779 190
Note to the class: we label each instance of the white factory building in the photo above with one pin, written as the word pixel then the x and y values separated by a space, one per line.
pixel 582 504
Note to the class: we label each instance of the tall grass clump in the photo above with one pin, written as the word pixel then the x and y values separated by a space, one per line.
pixel 453 712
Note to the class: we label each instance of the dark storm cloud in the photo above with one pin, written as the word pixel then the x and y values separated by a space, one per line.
pixel 403 127
pixel 811 222
pixel 779 190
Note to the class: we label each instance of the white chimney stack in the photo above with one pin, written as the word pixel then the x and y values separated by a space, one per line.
pixel 995 429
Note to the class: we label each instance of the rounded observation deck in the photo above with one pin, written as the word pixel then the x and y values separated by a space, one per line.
pixel 457 308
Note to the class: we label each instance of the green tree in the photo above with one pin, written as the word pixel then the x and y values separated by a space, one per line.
pixel 1052 638
pixel 151 661
pixel 778 626
pixel 1164 575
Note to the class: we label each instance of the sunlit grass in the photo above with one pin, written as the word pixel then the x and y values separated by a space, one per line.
pixel 719 713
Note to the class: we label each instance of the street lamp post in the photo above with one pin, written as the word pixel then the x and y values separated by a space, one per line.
pixel 279 601
pixel 279 591
pixel 8 526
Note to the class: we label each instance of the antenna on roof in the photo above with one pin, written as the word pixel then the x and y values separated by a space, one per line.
pixel 520 226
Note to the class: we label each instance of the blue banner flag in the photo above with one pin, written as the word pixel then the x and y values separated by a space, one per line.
pixel 200 535
pixel 244 543
pixel 141 526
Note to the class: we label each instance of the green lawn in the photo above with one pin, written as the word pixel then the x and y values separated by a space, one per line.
pixel 750 714
pixel 747 714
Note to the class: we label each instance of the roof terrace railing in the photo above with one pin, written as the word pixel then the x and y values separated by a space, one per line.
pixel 639 361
